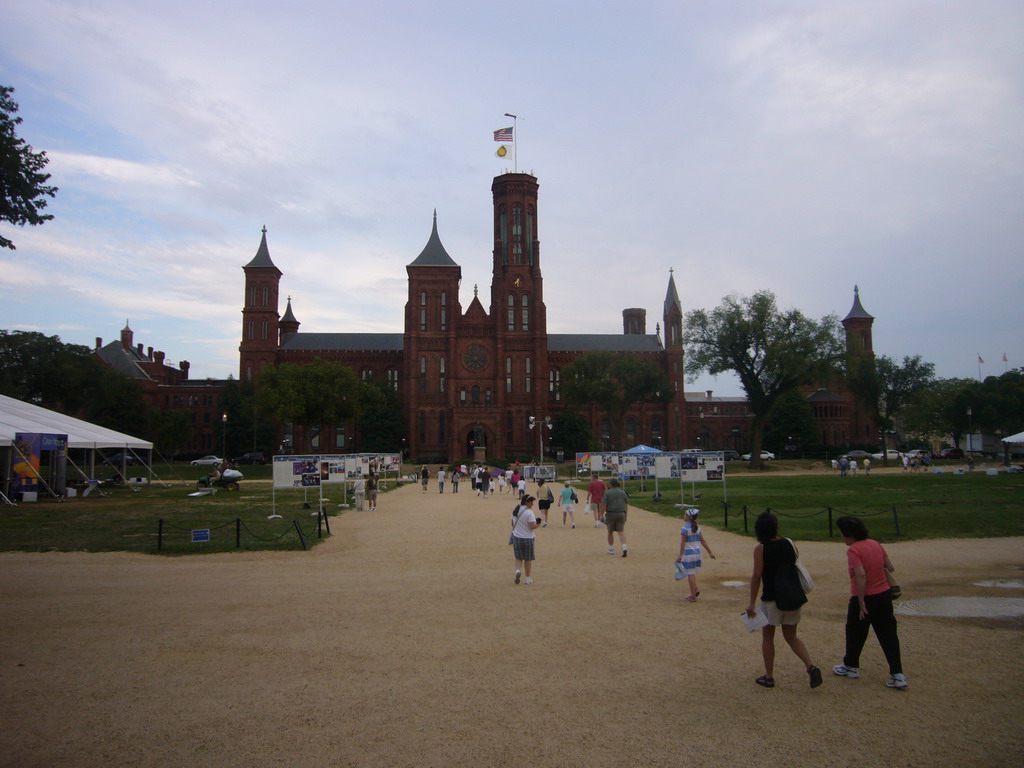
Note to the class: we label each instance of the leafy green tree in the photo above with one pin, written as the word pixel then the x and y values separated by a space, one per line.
pixel 615 383
pixel 934 412
pixel 22 181
pixel 886 387
pixel 770 351
pixel 382 425
pixel 791 422
pixel 996 405
pixel 571 432
pixel 318 394
pixel 45 371
pixel 171 433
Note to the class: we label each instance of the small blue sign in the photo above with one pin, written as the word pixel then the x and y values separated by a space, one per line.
pixel 200 535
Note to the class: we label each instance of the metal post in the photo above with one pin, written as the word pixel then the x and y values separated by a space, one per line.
pixel 160 535
pixel 238 533
pixel 725 508
pixel 830 522
pixel 745 529
pixel 896 520
pixel 298 530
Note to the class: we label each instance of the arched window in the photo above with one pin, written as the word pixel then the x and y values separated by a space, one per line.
pixel 423 375
pixel 508 374
pixel 526 312
pixel 517 235
pixel 250 330
pixel 444 312
pixel 511 312
pixel 264 330
pixel 476 394
pixel 366 374
pixel 423 310
pixel 391 376
pixel 528 385
pixel 529 235
pixel 252 295
pixel 442 376
pixel 554 384
pixel 266 295
pixel 487 396
pixel 248 372
pixel 462 395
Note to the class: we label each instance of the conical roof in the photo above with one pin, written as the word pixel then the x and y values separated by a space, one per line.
pixel 857 311
pixel 262 257
pixel 672 296
pixel 289 316
pixel 434 254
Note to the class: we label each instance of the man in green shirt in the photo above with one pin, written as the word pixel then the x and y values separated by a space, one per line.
pixel 616 505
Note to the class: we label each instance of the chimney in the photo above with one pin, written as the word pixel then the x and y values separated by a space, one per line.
pixel 149 353
pixel 99 342
pixel 138 348
pixel 709 393
pixel 159 357
pixel 184 365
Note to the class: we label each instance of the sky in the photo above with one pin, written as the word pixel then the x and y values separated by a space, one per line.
pixel 798 147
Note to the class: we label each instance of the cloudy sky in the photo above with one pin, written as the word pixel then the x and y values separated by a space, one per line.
pixel 800 147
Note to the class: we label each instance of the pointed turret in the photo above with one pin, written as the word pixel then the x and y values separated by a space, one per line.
pixel 673 314
pixel 858 327
pixel 433 253
pixel 288 324
pixel 262 257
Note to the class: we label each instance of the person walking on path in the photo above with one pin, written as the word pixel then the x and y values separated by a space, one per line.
pixel 567 498
pixel 867 466
pixel 424 477
pixel 440 479
pixel 616 507
pixel 870 602
pixel 770 553
pixel 545 498
pixel 359 492
pixel 690 541
pixel 524 522
pixel 456 477
pixel 371 491
pixel 595 498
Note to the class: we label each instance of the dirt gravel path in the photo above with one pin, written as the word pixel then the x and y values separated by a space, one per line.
pixel 402 641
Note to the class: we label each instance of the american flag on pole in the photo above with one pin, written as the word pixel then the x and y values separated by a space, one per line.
pixel 980 361
pixel 503 134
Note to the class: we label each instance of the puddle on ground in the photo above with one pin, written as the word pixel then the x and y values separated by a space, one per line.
pixel 1004 583
pixel 735 583
pixel 962 607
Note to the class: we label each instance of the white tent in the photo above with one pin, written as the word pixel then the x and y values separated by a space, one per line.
pixel 18 416
pixel 1017 439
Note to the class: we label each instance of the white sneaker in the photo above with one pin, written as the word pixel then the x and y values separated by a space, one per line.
pixel 898 680
pixel 611 550
pixel 527 580
pixel 518 575
pixel 851 672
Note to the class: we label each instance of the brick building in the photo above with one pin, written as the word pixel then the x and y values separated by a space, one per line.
pixel 471 378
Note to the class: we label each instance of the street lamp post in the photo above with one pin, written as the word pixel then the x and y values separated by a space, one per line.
pixel 540 435
pixel 224 420
pixel 970 442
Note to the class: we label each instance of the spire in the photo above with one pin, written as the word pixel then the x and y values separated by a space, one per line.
pixel 433 253
pixel 672 296
pixel 857 311
pixel 289 316
pixel 262 257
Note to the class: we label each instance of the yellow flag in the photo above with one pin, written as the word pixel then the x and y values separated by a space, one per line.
pixel 502 151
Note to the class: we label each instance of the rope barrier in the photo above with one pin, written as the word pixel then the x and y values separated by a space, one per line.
pixel 292 527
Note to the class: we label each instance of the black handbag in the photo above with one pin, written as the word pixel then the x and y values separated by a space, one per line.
pixel 789 595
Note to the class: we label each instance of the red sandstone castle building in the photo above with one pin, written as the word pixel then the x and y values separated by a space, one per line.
pixel 471 378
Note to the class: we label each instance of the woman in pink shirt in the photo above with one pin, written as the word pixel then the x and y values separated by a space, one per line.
pixel 870 602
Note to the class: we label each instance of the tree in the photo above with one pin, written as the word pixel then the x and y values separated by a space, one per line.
pixel 934 413
pixel 22 181
pixel 382 425
pixel 571 432
pixel 615 383
pixel 771 352
pixel 45 371
pixel 791 422
pixel 318 394
pixel 887 388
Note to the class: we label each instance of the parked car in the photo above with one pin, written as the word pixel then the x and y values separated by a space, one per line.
pixel 858 455
pixel 117 459
pixel 207 460
pixel 891 453
pixel 765 456
pixel 950 453
pixel 918 453
pixel 253 457
pixel 730 454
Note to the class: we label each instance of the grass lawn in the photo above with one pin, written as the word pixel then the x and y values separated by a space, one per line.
pixel 928 506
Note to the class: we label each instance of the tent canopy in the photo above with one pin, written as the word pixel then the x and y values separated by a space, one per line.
pixel 18 416
pixel 642 449
pixel 1018 438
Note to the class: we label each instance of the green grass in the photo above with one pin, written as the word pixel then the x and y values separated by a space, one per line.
pixel 928 506
pixel 128 521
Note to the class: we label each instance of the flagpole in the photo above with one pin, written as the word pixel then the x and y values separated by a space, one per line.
pixel 515 143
